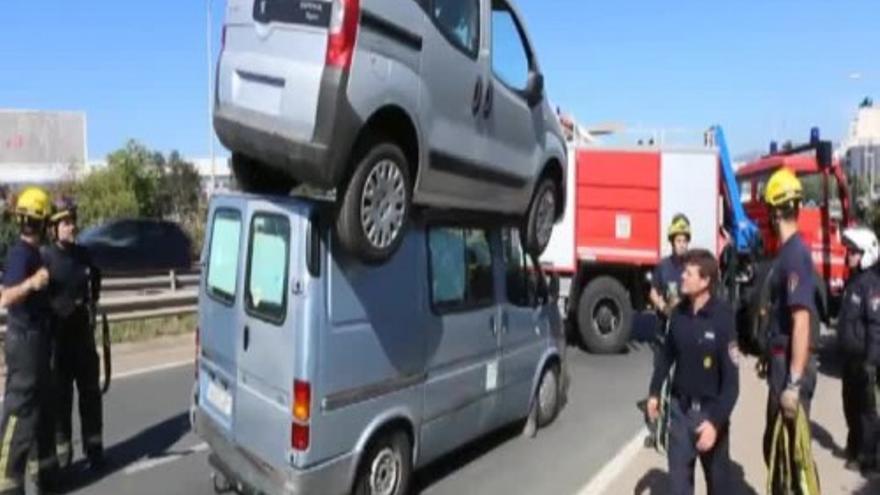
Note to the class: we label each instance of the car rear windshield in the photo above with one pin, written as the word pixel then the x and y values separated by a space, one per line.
pixel 223 251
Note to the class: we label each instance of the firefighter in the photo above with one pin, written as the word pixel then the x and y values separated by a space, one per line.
pixel 705 386
pixel 664 295
pixel 790 365
pixel 74 288
pixel 667 276
pixel 27 420
pixel 859 342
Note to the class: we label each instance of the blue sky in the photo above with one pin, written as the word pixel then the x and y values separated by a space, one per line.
pixel 763 69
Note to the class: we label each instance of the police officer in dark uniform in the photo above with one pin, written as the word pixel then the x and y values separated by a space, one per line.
pixel 702 346
pixel 791 367
pixel 74 288
pixel 27 421
pixel 858 332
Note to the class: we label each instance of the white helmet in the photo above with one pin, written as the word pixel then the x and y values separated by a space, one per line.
pixel 865 240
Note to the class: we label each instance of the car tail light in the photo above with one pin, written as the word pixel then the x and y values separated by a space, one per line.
pixel 302 401
pixel 343 32
pixel 299 437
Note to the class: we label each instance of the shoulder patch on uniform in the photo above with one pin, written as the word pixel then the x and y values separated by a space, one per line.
pixel 733 350
pixel 793 281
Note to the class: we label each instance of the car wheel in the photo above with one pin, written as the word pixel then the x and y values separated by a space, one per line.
pixel 386 469
pixel 255 177
pixel 375 209
pixel 540 217
pixel 605 316
pixel 547 396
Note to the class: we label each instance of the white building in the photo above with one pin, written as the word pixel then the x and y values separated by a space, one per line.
pixel 861 147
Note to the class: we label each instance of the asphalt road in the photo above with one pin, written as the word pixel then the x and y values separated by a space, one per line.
pixel 152 451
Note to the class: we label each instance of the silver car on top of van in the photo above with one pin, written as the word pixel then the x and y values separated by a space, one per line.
pixel 320 374
pixel 437 103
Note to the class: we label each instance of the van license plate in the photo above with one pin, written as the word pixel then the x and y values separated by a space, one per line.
pixel 220 399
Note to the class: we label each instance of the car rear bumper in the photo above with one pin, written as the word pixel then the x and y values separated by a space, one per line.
pixel 321 161
pixel 250 475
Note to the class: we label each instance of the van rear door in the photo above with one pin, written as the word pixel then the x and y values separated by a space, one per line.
pixel 218 315
pixel 270 316
pixel 273 60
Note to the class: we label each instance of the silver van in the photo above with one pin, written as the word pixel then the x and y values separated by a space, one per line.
pixel 319 374
pixel 391 103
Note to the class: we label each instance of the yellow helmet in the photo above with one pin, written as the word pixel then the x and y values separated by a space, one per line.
pixel 680 225
pixel 783 188
pixel 34 203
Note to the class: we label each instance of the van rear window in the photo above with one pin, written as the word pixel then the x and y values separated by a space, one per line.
pixel 267 267
pixel 223 253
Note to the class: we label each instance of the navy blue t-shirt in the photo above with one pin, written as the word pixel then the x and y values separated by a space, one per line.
pixel 793 284
pixel 22 261
pixel 667 277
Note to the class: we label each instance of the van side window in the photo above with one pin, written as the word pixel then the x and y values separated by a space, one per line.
pixel 223 250
pixel 510 60
pixel 266 294
pixel 520 271
pixel 461 268
pixel 459 20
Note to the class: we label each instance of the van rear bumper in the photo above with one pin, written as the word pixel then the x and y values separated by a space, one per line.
pixel 249 474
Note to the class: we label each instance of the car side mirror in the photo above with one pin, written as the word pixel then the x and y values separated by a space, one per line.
pixel 535 88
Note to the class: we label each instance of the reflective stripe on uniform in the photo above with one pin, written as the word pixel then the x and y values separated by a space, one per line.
pixel 4 454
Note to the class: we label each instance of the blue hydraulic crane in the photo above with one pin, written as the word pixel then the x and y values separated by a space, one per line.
pixel 744 232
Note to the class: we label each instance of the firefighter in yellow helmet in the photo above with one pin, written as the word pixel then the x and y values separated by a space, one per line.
pixel 791 369
pixel 27 420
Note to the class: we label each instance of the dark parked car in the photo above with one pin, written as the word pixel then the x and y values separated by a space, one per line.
pixel 138 245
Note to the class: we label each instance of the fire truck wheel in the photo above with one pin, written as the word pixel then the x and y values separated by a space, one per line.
pixel 605 316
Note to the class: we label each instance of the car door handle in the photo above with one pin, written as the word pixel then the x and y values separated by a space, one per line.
pixel 492 326
pixel 247 337
pixel 477 100
pixel 487 106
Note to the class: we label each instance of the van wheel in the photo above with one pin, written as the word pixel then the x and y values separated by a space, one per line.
pixel 605 316
pixel 540 218
pixel 547 396
pixel 253 176
pixel 387 467
pixel 374 212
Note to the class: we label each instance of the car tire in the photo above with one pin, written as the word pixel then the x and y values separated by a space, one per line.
pixel 382 170
pixel 547 396
pixel 255 177
pixel 386 468
pixel 605 316
pixel 540 217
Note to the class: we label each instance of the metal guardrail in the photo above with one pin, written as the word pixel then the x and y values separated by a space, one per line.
pixel 177 294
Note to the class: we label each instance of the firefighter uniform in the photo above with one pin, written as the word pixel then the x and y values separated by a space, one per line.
pixel 74 288
pixel 27 420
pixel 705 387
pixel 859 342
pixel 792 287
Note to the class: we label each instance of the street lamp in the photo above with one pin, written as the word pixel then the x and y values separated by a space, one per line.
pixel 210 57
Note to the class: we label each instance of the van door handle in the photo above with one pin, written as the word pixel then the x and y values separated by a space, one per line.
pixel 492 326
pixel 247 337
pixel 487 106
pixel 477 100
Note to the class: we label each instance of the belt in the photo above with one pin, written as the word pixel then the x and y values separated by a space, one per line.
pixel 690 403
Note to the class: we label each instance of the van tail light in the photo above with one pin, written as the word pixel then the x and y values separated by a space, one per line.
pixel 299 437
pixel 302 401
pixel 302 413
pixel 344 19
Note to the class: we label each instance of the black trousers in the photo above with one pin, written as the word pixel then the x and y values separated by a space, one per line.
pixel 27 421
pixel 860 409
pixel 76 363
pixel 682 454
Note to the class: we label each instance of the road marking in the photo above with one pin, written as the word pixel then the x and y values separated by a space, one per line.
pixel 149 464
pixel 612 469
